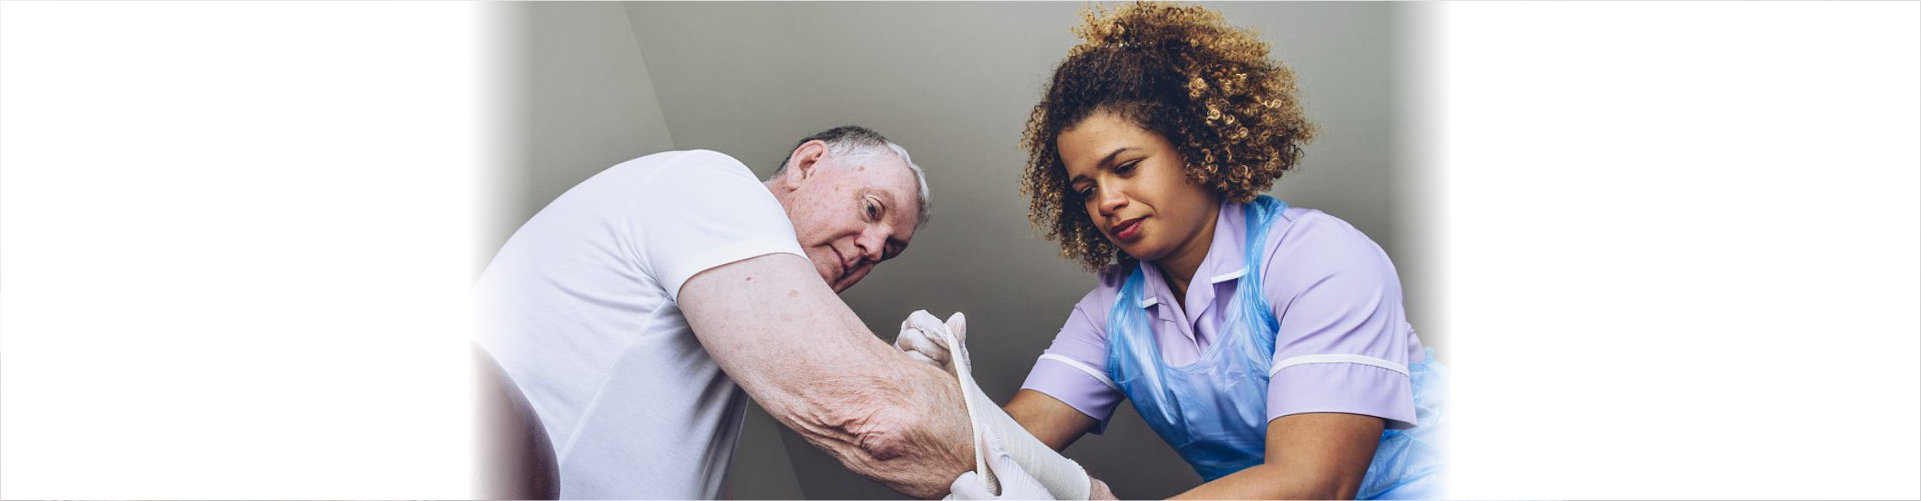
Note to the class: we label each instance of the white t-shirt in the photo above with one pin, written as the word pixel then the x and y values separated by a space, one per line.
pixel 579 307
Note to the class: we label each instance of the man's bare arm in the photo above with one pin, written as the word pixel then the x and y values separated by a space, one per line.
pixel 783 335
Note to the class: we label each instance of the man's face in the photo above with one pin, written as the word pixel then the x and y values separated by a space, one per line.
pixel 850 213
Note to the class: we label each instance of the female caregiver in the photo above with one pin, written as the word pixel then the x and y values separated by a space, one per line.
pixel 1265 343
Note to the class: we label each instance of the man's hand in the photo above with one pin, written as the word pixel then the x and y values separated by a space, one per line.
pixel 920 338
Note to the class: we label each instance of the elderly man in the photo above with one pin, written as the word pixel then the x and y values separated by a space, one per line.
pixel 634 309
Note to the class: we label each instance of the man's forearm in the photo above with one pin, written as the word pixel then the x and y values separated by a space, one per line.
pixel 779 332
pixel 899 423
pixel 908 432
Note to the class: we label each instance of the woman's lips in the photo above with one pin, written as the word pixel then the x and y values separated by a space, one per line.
pixel 1128 230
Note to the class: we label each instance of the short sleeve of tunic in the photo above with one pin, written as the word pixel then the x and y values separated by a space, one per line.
pixel 1344 341
pixel 1074 369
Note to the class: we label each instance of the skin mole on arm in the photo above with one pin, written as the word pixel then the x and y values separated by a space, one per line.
pixel 792 293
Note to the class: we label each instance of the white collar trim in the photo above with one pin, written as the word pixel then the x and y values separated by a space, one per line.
pixel 1230 275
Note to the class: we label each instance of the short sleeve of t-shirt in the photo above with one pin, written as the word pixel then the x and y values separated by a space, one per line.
pixel 703 209
pixel 1074 369
pixel 1343 344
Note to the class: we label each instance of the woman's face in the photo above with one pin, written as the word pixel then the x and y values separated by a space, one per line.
pixel 1134 186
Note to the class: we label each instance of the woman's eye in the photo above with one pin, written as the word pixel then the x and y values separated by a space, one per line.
pixel 873 211
pixel 1126 167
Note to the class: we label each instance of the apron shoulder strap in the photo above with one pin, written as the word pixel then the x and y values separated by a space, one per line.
pixel 1262 213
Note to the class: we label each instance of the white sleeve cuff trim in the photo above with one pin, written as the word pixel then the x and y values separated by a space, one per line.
pixel 1098 376
pixel 1337 358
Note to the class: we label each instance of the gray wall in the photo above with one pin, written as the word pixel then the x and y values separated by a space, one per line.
pixel 583 101
pixel 600 83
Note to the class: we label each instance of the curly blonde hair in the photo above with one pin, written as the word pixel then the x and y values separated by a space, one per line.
pixel 1180 72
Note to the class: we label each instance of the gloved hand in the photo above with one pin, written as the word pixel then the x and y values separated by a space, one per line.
pixel 1015 483
pixel 920 338
pixel 1040 472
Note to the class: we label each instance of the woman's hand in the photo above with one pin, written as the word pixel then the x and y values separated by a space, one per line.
pixel 920 338
pixel 1100 492
pixel 1012 481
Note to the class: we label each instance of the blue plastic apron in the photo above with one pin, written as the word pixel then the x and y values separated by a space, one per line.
pixel 1214 411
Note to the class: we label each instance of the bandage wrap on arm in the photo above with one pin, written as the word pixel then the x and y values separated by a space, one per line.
pixel 1063 478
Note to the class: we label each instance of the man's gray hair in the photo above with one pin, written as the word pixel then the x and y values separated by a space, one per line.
pixel 855 142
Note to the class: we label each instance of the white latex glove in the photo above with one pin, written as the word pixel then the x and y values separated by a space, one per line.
pixel 918 340
pixel 1038 467
pixel 1015 483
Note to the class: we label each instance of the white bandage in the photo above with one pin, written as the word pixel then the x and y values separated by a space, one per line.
pixel 1063 478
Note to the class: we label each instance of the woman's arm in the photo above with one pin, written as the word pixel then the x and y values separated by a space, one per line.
pixel 1056 424
pixel 1052 421
pixel 1309 456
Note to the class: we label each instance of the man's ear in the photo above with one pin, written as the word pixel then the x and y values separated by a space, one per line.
pixel 801 163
